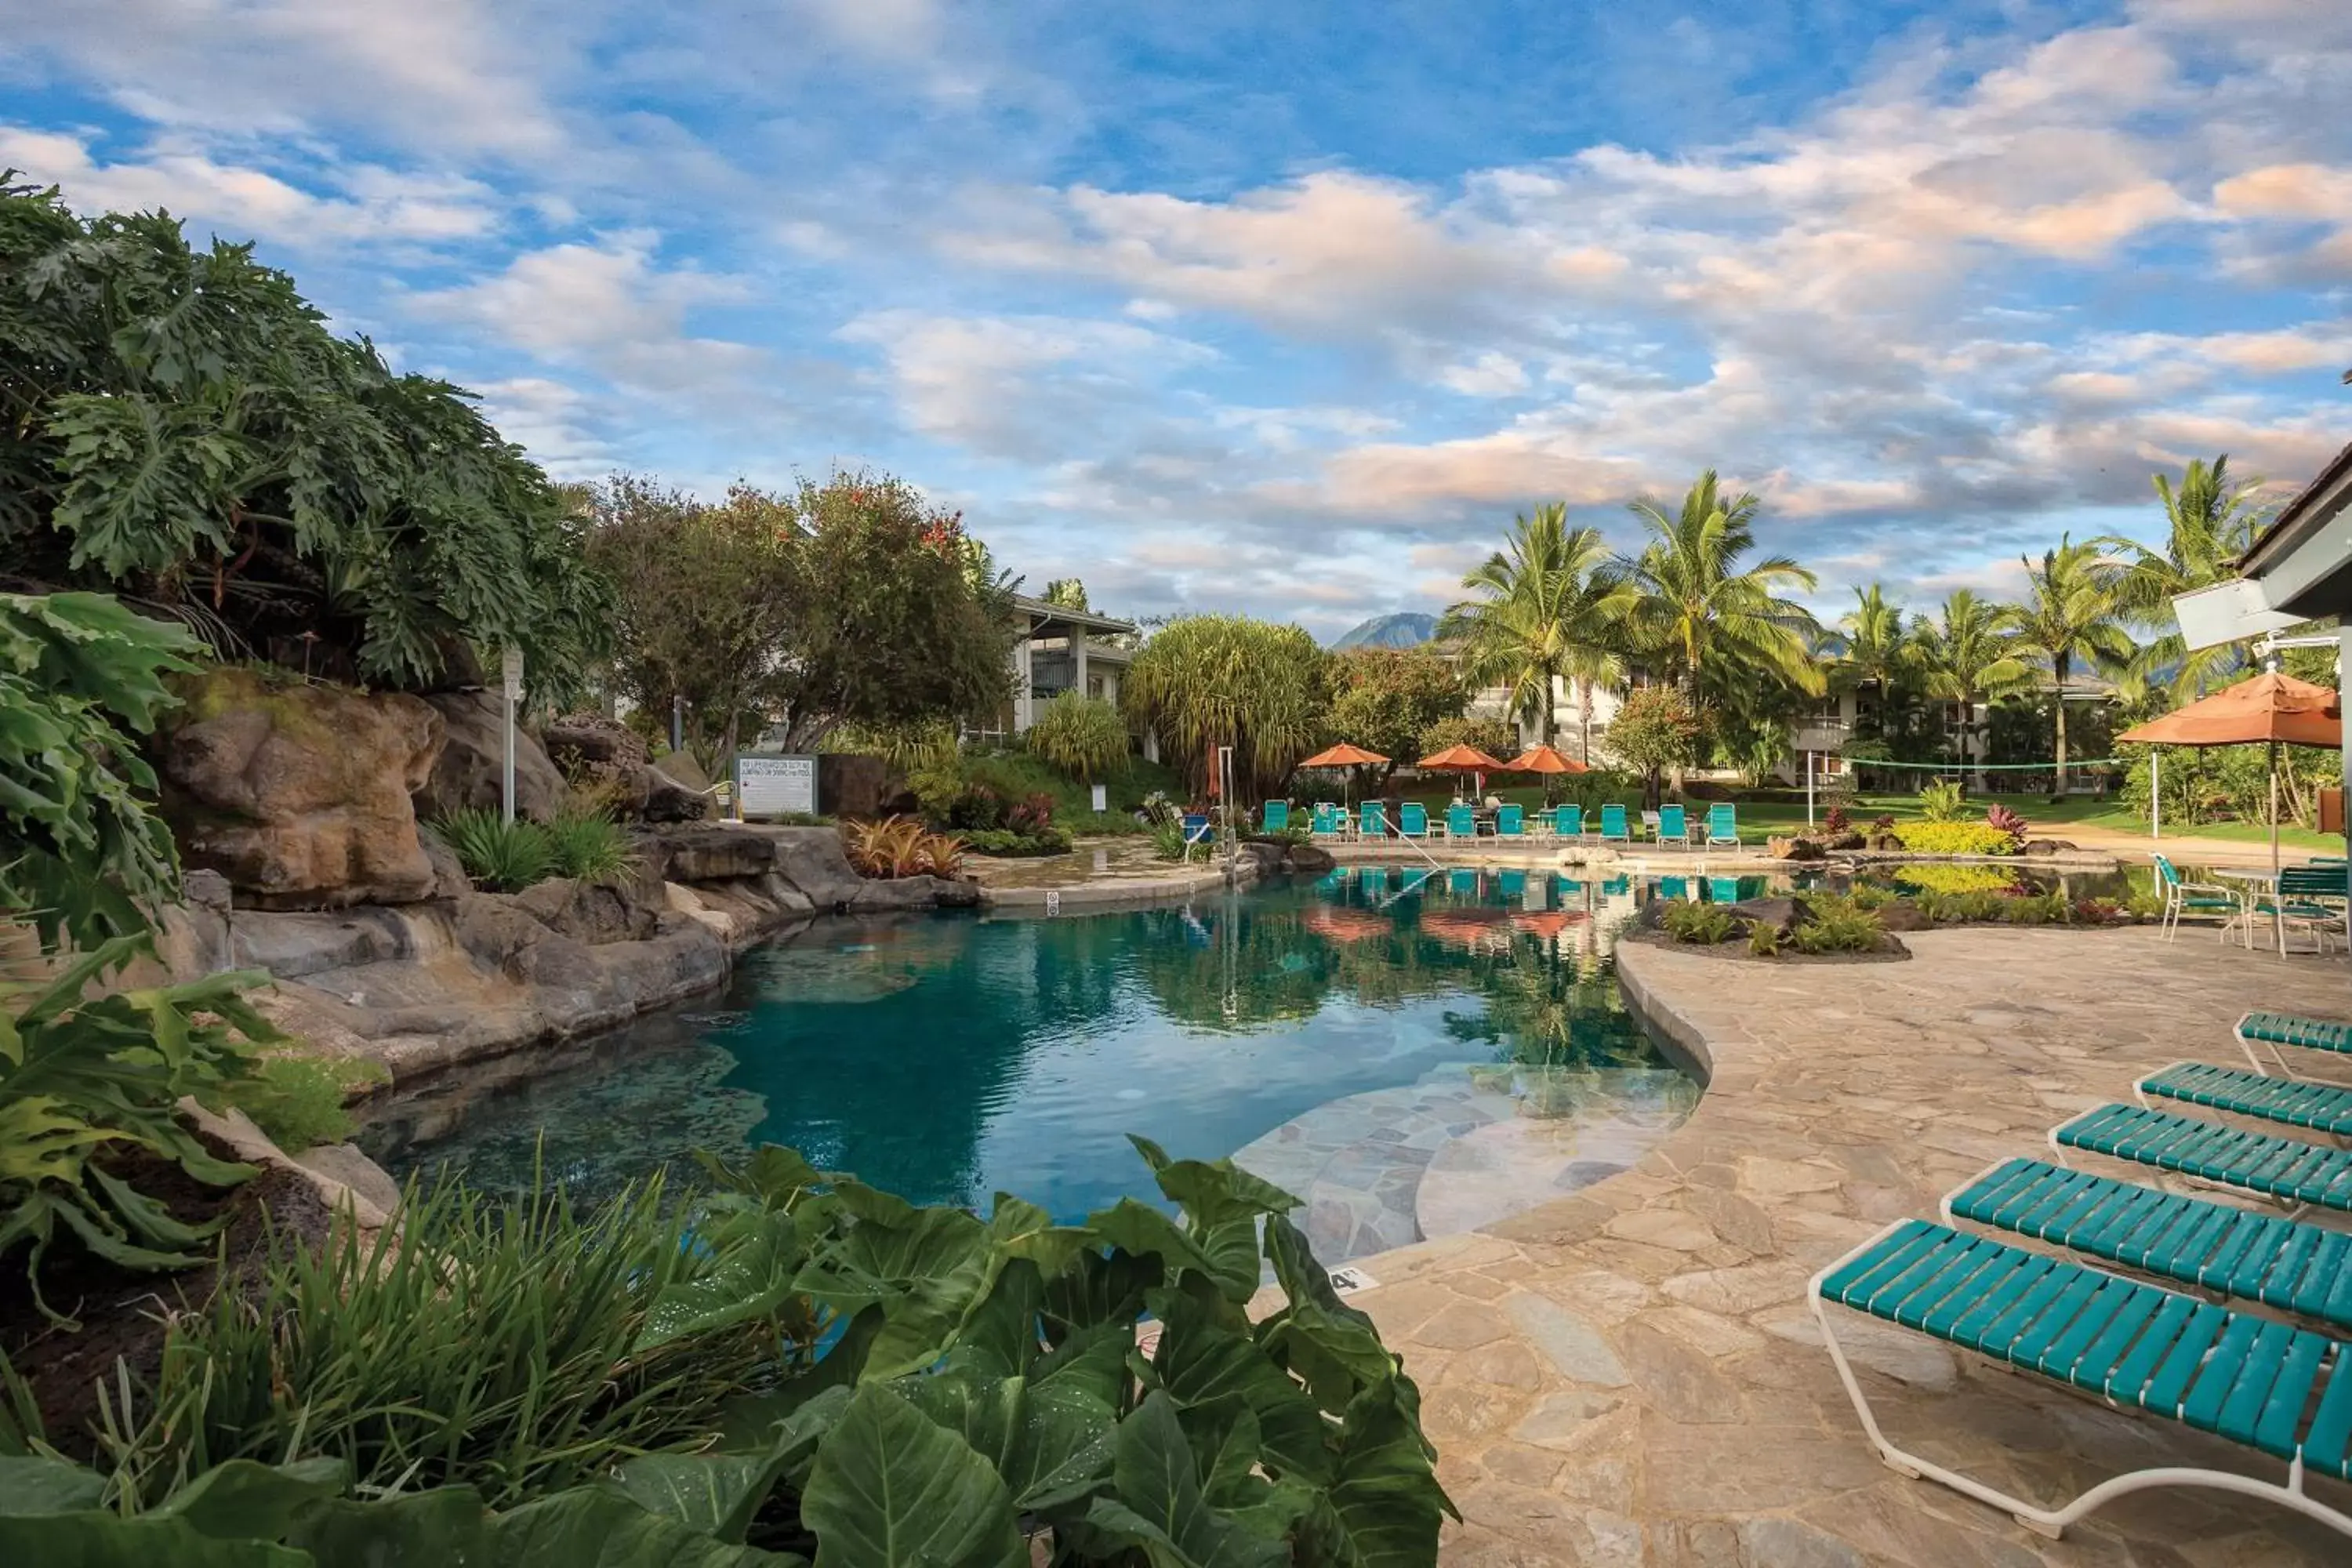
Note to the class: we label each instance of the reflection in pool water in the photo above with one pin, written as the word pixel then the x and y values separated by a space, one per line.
pixel 947 1057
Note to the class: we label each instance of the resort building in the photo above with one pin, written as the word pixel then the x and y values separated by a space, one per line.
pixel 1062 649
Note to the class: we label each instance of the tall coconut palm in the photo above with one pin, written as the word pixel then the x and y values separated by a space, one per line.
pixel 2210 519
pixel 1703 613
pixel 1542 608
pixel 1877 646
pixel 1967 654
pixel 2070 617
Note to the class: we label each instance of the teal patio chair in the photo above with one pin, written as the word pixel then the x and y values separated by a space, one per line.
pixel 1461 822
pixel 2289 1170
pixel 1509 823
pixel 1374 820
pixel 2184 897
pixel 1568 821
pixel 1329 821
pixel 2315 1107
pixel 2297 902
pixel 1274 817
pixel 1673 825
pixel 1613 825
pixel 1723 823
pixel 1413 820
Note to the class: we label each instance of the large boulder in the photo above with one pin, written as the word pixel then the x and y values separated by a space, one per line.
pixel 712 852
pixel 1793 848
pixel 591 738
pixel 666 799
pixel 298 792
pixel 471 769
pixel 592 912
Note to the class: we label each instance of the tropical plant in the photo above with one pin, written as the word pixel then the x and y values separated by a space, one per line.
pixel 1875 647
pixel 885 847
pixel 590 846
pixel 2008 821
pixel 1765 939
pixel 183 429
pixel 2210 519
pixel 1543 609
pixel 1030 813
pixel 1083 736
pixel 1390 697
pixel 1942 801
pixel 793 1362
pixel 499 855
pixel 1168 842
pixel 300 1102
pixel 1685 920
pixel 2071 617
pixel 1655 729
pixel 1966 655
pixel 1704 612
pixel 1831 924
pixel 1835 822
pixel 1205 681
pixel 1954 838
pixel 1004 842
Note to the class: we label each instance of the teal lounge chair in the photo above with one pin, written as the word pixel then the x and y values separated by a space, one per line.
pixel 1461 822
pixel 1673 827
pixel 1723 890
pixel 1511 885
pixel 1674 889
pixel 2286 1169
pixel 1413 820
pixel 1508 822
pixel 1568 821
pixel 1329 821
pixel 1613 825
pixel 1374 820
pixel 1723 823
pixel 2319 1106
pixel 2272 1030
pixel 2215 1247
pixel 1464 881
pixel 1273 815
pixel 2283 1390
pixel 2184 897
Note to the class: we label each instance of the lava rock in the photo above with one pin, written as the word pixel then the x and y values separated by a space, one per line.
pixel 470 772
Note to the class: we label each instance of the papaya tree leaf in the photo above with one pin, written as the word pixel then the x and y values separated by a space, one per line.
pixel 893 1489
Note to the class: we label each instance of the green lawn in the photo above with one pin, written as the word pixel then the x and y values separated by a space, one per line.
pixel 1780 816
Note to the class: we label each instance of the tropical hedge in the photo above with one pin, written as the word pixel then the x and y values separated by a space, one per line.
pixel 790 1365
pixel 178 426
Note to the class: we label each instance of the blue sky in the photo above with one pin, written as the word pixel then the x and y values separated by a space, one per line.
pixel 1287 308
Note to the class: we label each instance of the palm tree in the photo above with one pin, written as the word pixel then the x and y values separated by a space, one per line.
pixel 2070 614
pixel 1968 655
pixel 2211 519
pixel 1701 613
pixel 1541 608
pixel 1877 647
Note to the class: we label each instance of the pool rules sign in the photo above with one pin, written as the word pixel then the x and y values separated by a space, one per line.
pixel 774 786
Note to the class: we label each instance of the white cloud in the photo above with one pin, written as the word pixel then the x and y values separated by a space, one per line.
pixel 1491 375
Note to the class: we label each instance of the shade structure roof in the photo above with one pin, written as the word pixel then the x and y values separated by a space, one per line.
pixel 2269 707
pixel 1466 758
pixel 1543 759
pixel 1342 756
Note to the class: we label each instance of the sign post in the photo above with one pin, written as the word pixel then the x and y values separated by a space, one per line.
pixel 510 684
pixel 775 787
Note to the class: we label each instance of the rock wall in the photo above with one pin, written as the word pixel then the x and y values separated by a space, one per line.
pixel 298 792
pixel 471 769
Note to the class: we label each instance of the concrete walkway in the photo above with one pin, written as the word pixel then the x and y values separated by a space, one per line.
pixel 1630 1375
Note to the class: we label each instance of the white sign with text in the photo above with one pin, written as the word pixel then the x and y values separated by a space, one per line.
pixel 773 787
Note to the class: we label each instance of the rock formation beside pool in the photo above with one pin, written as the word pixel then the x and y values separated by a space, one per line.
pixel 471 769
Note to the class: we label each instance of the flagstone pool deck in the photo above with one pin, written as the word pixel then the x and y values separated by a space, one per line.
pixel 1631 1374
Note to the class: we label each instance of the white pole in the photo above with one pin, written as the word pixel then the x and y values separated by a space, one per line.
pixel 510 684
pixel 506 789
pixel 1808 789
pixel 2155 792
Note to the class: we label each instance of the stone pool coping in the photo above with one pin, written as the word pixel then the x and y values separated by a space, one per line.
pixel 1631 1374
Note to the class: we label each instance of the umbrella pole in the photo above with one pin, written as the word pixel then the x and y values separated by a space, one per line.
pixel 2274 848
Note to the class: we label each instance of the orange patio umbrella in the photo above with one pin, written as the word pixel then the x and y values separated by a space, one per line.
pixel 1342 756
pixel 2270 709
pixel 1546 760
pixel 1461 759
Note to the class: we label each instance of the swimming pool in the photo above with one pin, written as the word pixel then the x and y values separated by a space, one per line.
pixel 1410 1051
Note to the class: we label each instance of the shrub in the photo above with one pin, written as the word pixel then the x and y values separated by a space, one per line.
pixel 2006 821
pixel 1005 842
pixel 975 806
pixel 1964 905
pixel 1943 801
pixel 1883 822
pixel 2036 909
pixel 793 1362
pixel 1954 879
pixel 1869 895
pixel 892 846
pixel 1686 920
pixel 501 855
pixel 1836 925
pixel 591 847
pixel 1496 737
pixel 1954 838
pixel 1168 842
pixel 1119 823
pixel 1765 940
pixel 1032 814
pixel 1835 822
pixel 1083 736
pixel 299 1100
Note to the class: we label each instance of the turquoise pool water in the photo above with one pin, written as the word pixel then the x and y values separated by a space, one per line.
pixel 947 1057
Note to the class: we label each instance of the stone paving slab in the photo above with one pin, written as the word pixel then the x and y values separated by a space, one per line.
pixel 1629 1374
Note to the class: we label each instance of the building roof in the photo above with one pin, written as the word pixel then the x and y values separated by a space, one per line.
pixel 2312 507
pixel 1044 614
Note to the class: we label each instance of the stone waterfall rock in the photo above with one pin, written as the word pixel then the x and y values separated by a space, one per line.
pixel 298 792
pixel 470 771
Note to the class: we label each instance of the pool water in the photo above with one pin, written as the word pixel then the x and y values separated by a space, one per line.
pixel 949 1057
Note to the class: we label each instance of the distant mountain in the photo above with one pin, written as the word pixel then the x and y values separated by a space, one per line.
pixel 1407 630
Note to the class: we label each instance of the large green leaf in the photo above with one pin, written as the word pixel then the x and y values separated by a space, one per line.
pixel 1142 1230
pixel 101 1539
pixel 588 1528
pixel 240 1500
pixel 447 1527
pixel 1213 1192
pixel 1384 1504
pixel 893 1489
pixel 1200 1361
pixel 1003 1336
pixel 36 1484
pixel 1021 1229
pixel 1160 1507
pixel 752 1275
pixel 1093 1358
pixel 925 1274
pixel 1051 1443
pixel 719 1494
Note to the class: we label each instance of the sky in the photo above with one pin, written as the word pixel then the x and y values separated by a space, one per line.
pixel 1287 308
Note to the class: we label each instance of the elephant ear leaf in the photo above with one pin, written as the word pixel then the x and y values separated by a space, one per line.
pixel 591 1528
pixel 1383 1506
pixel 1159 1508
pixel 712 1494
pixel 34 1484
pixel 242 1499
pixel 446 1527
pixel 100 1538
pixel 891 1487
